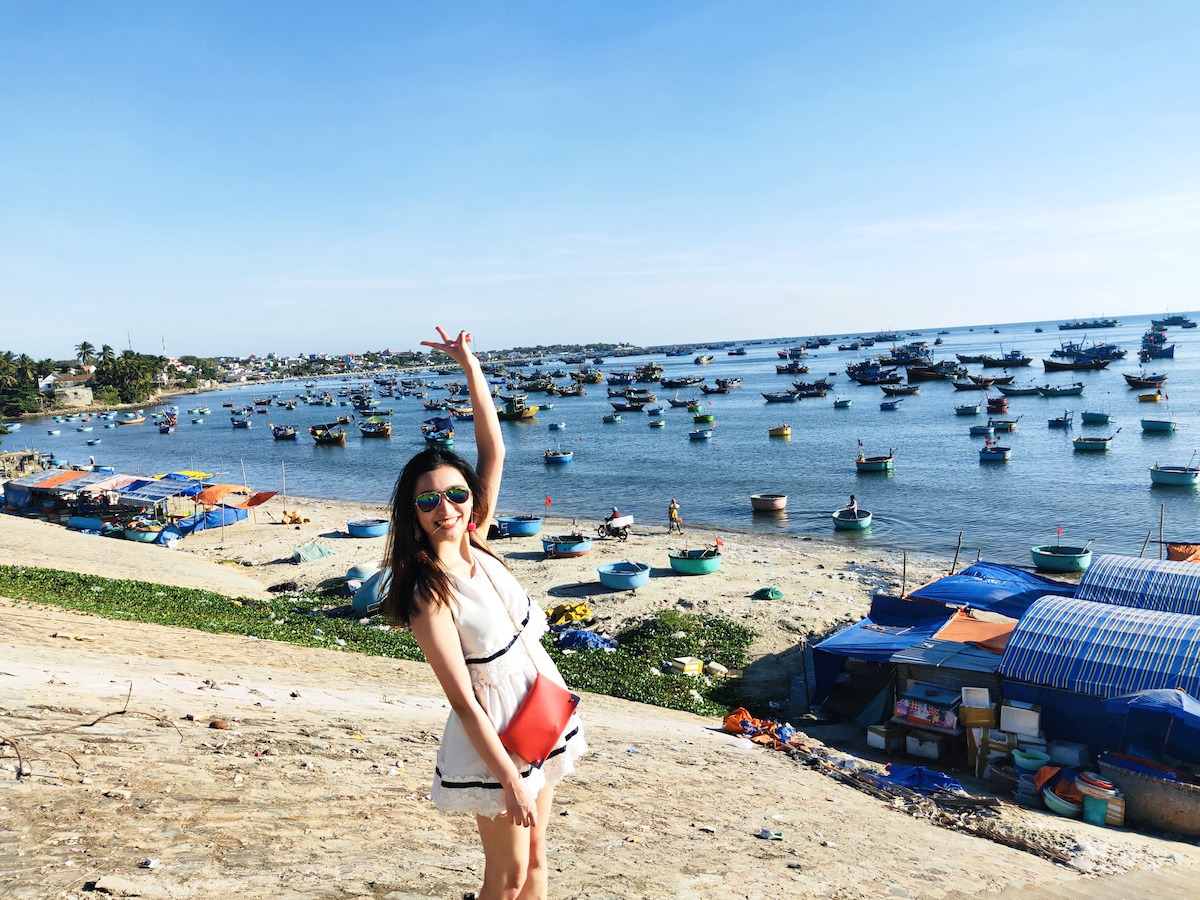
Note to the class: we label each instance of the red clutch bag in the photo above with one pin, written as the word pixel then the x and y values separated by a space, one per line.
pixel 539 721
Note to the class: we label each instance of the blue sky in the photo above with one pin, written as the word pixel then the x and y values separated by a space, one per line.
pixel 304 177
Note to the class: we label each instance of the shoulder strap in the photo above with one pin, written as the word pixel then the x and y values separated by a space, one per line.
pixel 517 629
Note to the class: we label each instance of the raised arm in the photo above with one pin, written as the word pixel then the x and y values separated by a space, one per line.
pixel 488 437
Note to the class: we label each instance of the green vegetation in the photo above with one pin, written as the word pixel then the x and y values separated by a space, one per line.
pixel 132 374
pixel 18 384
pixel 632 672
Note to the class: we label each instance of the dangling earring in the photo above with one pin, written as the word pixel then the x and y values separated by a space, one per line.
pixel 471 526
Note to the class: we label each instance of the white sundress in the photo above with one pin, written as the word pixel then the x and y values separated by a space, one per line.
pixel 501 673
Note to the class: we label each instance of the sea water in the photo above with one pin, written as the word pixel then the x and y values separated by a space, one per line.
pixel 938 489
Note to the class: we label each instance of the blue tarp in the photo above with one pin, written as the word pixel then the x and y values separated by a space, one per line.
pixel 1100 650
pixel 215 518
pixel 892 625
pixel 992 587
pixel 1162 585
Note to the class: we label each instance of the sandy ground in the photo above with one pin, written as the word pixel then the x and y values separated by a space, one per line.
pixel 319 786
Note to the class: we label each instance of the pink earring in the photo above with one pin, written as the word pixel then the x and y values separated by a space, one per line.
pixel 471 526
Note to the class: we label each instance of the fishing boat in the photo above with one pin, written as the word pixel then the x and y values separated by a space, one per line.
pixel 1176 476
pixel 565 546
pixel 1145 380
pixel 1063 421
pixel 1009 390
pixel 558 456
pixel 988 430
pixel 967 409
pixel 705 389
pixel 654 410
pixel 54 431
pixel 623 576
pixel 842 403
pixel 367 528
pixel 240 421
pixel 1079 364
pixel 780 397
pixel 518 526
pixel 285 432
pixel 991 451
pixel 610 418
pixel 679 404
pixel 768 502
pixel 1158 426
pixel 93 442
pixel 144 532
pixel 1006 425
pixel 131 419
pixel 703 418
pixel 1057 558
pixel 516 408
pixel 851 519
pixel 700 434
pixel 375 427
pixel 1094 444
pixel 1061 390
pixel 783 430
pixel 1095 418
pixel 703 359
pixel 329 434
pixel 904 390
pixel 1156 397
pixel 997 404
pixel 166 428
pixel 658 423
pixel 972 385
pixel 891 405
pixel 557 426
pixel 695 562
pixel 1010 360
pixel 199 420
pixel 864 463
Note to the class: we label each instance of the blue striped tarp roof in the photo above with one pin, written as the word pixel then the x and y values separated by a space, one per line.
pixel 1103 650
pixel 1162 585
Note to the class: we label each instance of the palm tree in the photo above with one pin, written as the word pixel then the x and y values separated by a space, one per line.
pixel 85 352
pixel 26 367
pixel 107 354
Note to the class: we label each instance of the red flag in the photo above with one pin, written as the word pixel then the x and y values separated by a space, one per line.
pixel 1060 531
pixel 720 543
pixel 548 501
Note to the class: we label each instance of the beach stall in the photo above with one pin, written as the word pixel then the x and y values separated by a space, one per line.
pixel 34 492
pixel 1066 656
pixel 1162 585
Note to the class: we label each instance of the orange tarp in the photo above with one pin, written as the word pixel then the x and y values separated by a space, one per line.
pixel 1184 552
pixel 966 629
pixel 61 478
pixel 219 493
pixel 255 500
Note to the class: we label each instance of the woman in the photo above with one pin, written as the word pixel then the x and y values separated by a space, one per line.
pixel 480 632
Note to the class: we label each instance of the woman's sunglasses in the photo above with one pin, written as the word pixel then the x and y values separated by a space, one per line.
pixel 429 500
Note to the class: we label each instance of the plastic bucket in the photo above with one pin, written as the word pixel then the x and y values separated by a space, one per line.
pixel 1095 810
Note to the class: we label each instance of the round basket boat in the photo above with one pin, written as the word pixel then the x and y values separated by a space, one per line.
pixel 768 502
pixel 143 535
pixel 566 545
pixel 1053 558
pixel 846 520
pixel 624 576
pixel 518 526
pixel 695 562
pixel 367 528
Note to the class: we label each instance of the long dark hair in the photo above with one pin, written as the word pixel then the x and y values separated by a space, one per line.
pixel 416 571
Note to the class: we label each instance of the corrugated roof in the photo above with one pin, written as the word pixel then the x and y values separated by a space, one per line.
pixel 949 655
pixel 157 491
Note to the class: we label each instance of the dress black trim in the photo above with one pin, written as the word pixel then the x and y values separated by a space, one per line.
pixel 499 653
pixel 497 786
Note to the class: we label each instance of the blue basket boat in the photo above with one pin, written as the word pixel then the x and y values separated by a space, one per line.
pixel 518 526
pixel 367 528
pixel 624 576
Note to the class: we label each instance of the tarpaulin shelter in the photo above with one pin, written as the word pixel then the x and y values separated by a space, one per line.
pixel 1158 721
pixel 1069 655
pixel 232 495
pixel 153 493
pixel 213 518
pixel 991 587
pixel 86 482
pixel 18 493
pixel 1142 583
pixel 891 625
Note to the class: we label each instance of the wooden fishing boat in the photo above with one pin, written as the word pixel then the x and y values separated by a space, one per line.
pixel 240 421
pixel 560 457
pixel 705 389
pixel 700 434
pixel 610 418
pixel 516 408
pixel 658 423
pixel 851 519
pixel 375 427
pixel 1006 425
pixel 967 409
pixel 1176 476
pixel 768 502
pixel 781 397
pixel 1061 390
pixel 1145 380
pixel 1079 364
pixel 842 403
pixel 988 430
pixel 729 382
pixel 565 546
pixel 997 404
pixel 1011 360
pixel 199 420
pixel 131 419
pixel 972 385
pixel 783 430
pixel 906 390
pixel 557 426
pixel 1158 426
pixel 1095 418
pixel 695 562
pixel 1056 558
pixel 166 428
pixel 328 435
pixel 1156 397
pixel 864 463
pixel 1009 391
pixel 679 404
pixel 993 452
pixel 891 405
pixel 93 442
pixel 1094 444
pixel 703 359
pixel 626 407
pixel 1063 421
pixel 285 432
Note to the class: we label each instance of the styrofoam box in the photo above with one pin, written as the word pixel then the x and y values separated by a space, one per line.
pixel 937 748
pixel 1020 718
pixel 1069 753
pixel 976 696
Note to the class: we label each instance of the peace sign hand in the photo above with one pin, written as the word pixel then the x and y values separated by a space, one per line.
pixel 456 348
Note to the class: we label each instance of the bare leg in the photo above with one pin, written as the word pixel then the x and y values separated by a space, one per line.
pixel 515 857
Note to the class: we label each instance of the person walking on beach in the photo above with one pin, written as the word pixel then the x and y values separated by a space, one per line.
pixel 674 523
pixel 480 633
